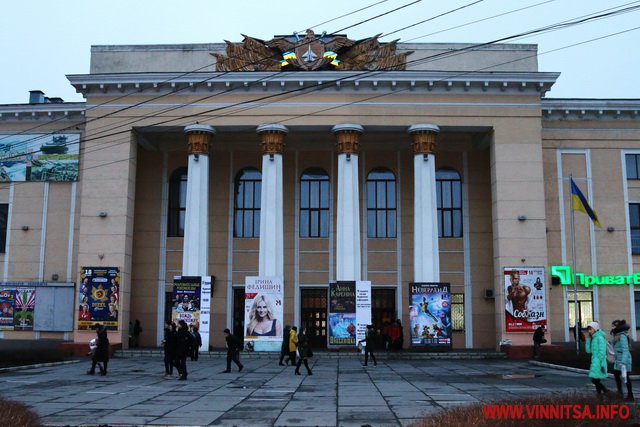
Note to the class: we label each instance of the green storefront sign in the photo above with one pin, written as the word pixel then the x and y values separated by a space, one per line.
pixel 563 272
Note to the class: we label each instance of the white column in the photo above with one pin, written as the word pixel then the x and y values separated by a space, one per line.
pixel 271 261
pixel 425 236
pixel 348 255
pixel 195 256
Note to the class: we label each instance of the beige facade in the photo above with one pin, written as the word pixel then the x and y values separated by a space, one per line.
pixel 509 144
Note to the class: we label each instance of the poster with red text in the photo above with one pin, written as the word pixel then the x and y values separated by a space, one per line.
pixel 525 298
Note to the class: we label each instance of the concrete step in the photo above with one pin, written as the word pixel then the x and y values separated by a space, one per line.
pixel 399 355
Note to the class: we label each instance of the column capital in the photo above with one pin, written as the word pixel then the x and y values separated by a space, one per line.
pixel 199 137
pixel 423 138
pixel 347 137
pixel 272 137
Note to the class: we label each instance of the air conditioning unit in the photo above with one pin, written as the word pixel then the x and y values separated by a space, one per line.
pixel 488 294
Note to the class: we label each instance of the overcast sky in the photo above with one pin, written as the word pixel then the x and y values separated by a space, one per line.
pixel 41 41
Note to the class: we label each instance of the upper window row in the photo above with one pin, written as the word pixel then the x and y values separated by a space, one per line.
pixel 314 203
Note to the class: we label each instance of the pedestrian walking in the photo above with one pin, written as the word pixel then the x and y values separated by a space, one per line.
pixel 596 345
pixel 100 356
pixel 184 347
pixel 622 364
pixel 169 344
pixel 538 339
pixel 304 351
pixel 293 344
pixel 137 330
pixel 198 343
pixel 284 349
pixel 370 342
pixel 233 351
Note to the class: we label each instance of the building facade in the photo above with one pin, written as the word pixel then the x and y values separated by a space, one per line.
pixel 418 163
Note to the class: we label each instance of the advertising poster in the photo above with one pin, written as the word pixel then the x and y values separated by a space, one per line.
pixel 363 308
pixel 6 309
pixel 342 313
pixel 25 303
pixel 39 157
pixel 263 313
pixel 205 311
pixel 99 299
pixel 186 300
pixel 430 314
pixel 525 302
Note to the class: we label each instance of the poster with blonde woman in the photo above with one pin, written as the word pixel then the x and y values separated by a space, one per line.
pixel 263 313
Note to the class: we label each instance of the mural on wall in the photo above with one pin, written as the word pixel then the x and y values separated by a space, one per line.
pixel 39 157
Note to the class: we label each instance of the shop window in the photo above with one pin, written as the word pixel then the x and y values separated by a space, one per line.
pixel 248 187
pixel 449 195
pixel 633 166
pixel 4 214
pixel 585 308
pixel 177 202
pixel 457 312
pixel 634 223
pixel 314 203
pixel 381 204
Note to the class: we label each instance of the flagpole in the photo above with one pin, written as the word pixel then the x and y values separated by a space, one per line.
pixel 573 270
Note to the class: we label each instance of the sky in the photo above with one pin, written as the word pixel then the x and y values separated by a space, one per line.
pixel 41 41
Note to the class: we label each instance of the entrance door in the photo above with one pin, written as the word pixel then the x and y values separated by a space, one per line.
pixel 383 307
pixel 238 313
pixel 313 315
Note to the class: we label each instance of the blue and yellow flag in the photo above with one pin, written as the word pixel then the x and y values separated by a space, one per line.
pixel 579 203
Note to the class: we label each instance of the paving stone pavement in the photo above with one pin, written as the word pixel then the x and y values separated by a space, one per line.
pixel 341 392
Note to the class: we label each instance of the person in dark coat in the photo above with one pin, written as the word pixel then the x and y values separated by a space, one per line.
pixel 303 351
pixel 284 349
pixel 137 330
pixel 370 342
pixel 101 353
pixel 169 344
pixel 233 351
pixel 184 347
pixel 538 339
pixel 623 362
pixel 198 341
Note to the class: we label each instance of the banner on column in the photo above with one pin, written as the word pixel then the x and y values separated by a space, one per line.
pixel 263 312
pixel 99 297
pixel 525 302
pixel 363 308
pixel 430 314
pixel 7 307
pixel 342 313
pixel 186 299
pixel 205 311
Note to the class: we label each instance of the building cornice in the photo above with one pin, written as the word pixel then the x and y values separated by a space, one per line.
pixel 72 111
pixel 590 109
pixel 382 81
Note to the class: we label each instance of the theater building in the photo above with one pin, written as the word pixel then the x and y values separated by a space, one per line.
pixel 322 158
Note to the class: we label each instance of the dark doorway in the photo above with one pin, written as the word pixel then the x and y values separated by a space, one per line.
pixel 238 313
pixel 383 307
pixel 313 315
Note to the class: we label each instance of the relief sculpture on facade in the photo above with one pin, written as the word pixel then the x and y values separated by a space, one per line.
pixel 311 53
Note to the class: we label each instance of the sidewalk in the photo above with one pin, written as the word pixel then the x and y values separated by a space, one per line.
pixel 340 392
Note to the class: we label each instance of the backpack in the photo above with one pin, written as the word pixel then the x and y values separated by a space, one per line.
pixel 611 353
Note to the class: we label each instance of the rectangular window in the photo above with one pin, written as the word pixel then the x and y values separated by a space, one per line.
pixel 585 308
pixel 457 312
pixel 634 223
pixel 632 161
pixel 4 213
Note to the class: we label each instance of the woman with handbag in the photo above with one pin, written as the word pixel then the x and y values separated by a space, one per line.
pixel 622 364
pixel 304 351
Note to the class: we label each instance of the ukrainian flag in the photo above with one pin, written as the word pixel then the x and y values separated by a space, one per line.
pixel 579 203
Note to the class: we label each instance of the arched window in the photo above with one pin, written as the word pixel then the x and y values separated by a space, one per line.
pixel 177 202
pixel 449 194
pixel 381 203
pixel 314 203
pixel 248 186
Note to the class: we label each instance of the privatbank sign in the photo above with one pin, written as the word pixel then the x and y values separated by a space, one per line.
pixel 563 272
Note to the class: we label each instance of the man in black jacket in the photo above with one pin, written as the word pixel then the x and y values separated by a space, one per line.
pixel 233 351
pixel 185 344
pixel 538 339
pixel 370 342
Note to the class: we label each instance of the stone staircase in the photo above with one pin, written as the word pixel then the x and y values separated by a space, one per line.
pixel 396 355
